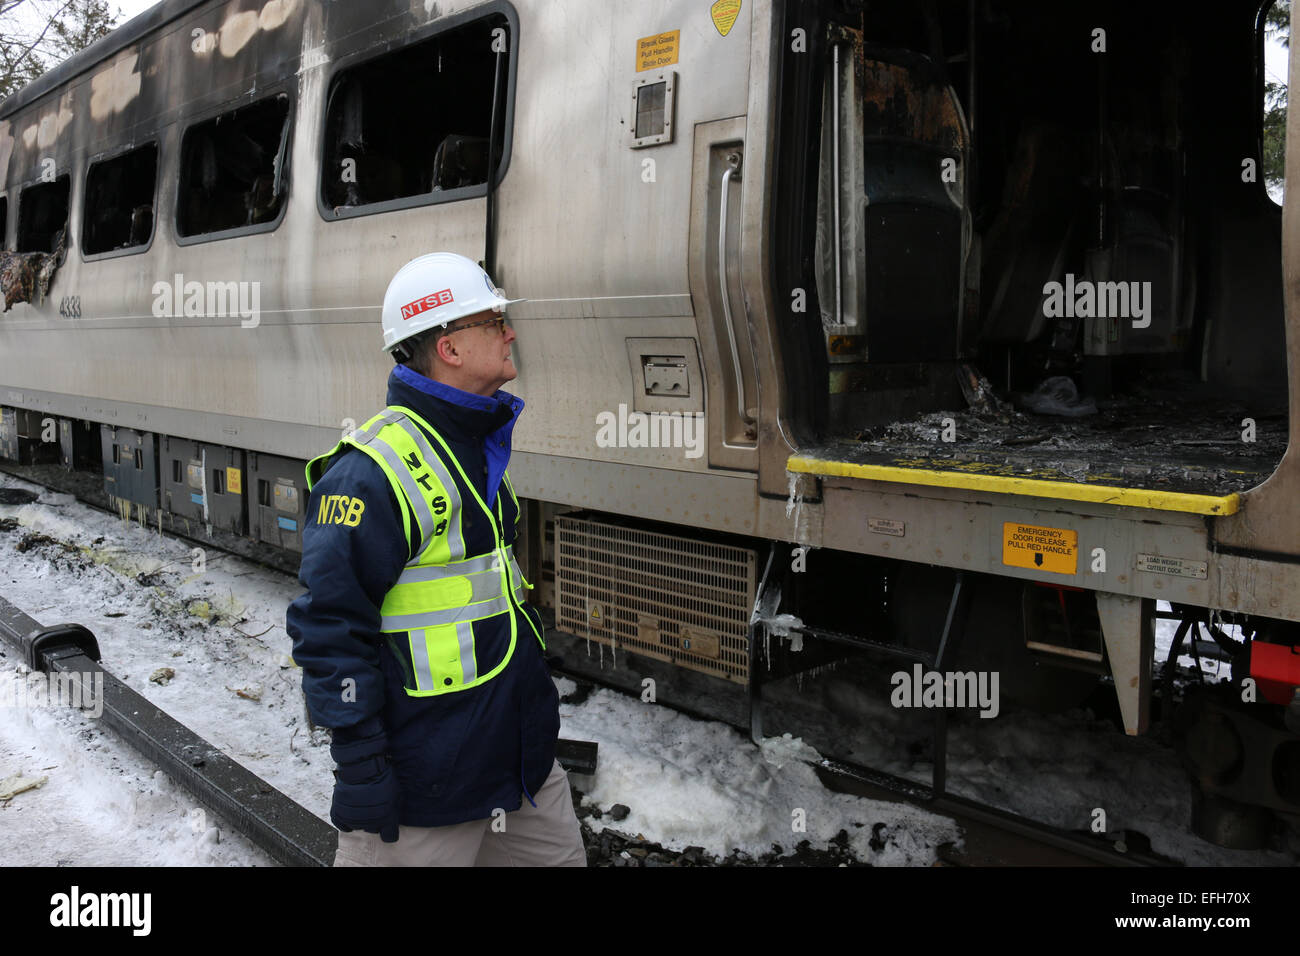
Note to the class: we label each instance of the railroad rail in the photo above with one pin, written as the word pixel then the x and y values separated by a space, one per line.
pixel 282 828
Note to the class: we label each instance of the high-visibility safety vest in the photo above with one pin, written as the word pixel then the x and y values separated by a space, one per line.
pixel 448 603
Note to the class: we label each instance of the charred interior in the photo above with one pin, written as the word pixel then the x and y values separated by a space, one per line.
pixel 43 215
pixel 119 201
pixel 233 168
pixel 1050 228
pixel 374 153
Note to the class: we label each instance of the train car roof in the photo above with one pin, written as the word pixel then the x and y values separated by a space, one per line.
pixel 134 29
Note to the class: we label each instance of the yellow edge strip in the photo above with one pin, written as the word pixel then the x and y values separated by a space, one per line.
pixel 1034 487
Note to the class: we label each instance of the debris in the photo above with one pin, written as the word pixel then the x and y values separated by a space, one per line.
pixel 24 274
pixel 877 841
pixel 11 786
pixel 162 676
pixel 1058 395
pixel 1166 431
pixel 619 812
pixel 252 692
pixel 257 635
pixel 31 540
pixel 292 750
pixel 17 496
pixel 978 391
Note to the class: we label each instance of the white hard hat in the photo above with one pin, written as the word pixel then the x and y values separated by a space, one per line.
pixel 436 289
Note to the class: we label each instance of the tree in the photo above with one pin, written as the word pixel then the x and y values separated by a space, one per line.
pixel 1277 28
pixel 37 34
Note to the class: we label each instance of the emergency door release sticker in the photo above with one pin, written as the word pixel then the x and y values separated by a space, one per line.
pixel 657 51
pixel 724 14
pixel 1040 549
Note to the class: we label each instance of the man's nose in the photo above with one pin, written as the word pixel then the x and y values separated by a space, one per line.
pixel 510 333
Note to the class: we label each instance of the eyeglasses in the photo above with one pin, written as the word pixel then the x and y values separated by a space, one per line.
pixel 498 320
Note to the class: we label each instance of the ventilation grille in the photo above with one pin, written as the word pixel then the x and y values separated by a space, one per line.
pixel 675 599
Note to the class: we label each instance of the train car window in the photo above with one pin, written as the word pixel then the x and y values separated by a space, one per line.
pixel 415 122
pixel 120 201
pixel 1276 42
pixel 4 222
pixel 43 215
pixel 233 169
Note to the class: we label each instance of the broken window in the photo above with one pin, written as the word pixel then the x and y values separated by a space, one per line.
pixel 233 169
pixel 25 275
pixel 416 122
pixel 42 215
pixel 119 201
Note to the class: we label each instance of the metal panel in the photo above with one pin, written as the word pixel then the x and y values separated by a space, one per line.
pixel 130 465
pixel 9 434
pixel 714 500
pixel 682 600
pixel 940 527
pixel 277 500
pixel 1127 626
pixel 78 445
pixel 27 437
pixel 203 483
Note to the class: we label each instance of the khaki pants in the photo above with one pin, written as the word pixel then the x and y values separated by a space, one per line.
pixel 545 835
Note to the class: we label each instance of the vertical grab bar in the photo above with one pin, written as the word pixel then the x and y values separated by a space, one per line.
pixel 732 172
pixel 835 177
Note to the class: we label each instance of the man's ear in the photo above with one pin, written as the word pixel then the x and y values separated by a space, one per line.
pixel 446 350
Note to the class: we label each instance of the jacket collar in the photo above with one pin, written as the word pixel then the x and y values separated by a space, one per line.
pixel 460 415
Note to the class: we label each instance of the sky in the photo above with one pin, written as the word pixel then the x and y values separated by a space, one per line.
pixel 130 8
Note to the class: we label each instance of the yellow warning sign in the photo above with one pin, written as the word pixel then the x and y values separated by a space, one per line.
pixel 724 14
pixel 1040 549
pixel 233 481
pixel 658 51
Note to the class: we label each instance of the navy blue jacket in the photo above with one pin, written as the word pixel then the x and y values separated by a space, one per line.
pixel 457 756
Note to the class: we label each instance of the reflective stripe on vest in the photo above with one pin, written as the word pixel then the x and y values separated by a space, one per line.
pixel 432 595
pixel 441 592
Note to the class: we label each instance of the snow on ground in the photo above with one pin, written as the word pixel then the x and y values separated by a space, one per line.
pixel 221 631
pixel 101 804
pixel 220 628
pixel 700 783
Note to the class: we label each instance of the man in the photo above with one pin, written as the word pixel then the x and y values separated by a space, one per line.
pixel 414 639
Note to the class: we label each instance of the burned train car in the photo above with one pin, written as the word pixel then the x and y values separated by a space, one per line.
pixel 862 328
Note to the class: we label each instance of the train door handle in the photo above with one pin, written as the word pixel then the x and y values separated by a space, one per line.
pixel 732 172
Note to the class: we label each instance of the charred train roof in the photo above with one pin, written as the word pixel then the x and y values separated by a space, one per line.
pixel 134 29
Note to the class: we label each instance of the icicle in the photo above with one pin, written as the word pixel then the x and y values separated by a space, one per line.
pixel 795 499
